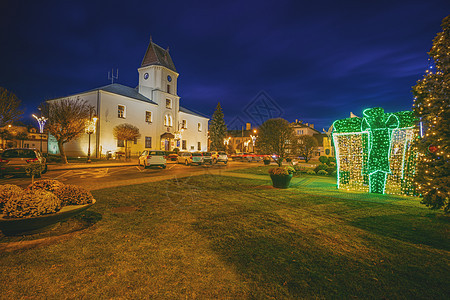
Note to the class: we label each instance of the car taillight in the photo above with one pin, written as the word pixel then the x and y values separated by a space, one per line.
pixel 32 160
pixel 3 160
pixel 149 156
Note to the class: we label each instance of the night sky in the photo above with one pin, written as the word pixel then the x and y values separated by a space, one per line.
pixel 316 61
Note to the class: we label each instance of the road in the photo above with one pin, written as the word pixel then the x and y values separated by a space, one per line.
pixel 98 178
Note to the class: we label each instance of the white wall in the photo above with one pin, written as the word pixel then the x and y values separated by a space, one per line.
pixel 192 135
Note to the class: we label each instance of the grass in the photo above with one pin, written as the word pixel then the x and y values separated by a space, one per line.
pixel 219 237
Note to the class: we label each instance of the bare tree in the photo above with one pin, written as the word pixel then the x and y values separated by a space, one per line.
pixel 275 137
pixel 66 120
pixel 305 146
pixel 9 107
pixel 126 132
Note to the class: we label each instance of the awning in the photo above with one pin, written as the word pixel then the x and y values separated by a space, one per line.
pixel 167 135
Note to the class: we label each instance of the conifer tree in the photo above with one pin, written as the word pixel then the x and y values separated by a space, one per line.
pixel 431 106
pixel 217 129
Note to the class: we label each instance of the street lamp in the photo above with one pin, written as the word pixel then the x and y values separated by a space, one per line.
pixel 90 129
pixel 41 121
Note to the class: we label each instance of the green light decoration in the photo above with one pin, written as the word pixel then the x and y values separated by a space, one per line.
pixel 375 153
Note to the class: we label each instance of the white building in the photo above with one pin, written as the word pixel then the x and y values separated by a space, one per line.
pixel 153 106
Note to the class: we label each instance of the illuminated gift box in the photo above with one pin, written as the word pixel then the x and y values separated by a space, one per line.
pixel 375 153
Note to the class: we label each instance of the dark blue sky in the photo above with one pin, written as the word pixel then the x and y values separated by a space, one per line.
pixel 317 60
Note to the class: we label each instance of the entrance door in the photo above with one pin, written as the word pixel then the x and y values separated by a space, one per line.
pixel 167 144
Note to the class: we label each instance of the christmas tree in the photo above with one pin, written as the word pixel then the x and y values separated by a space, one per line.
pixel 217 130
pixel 431 106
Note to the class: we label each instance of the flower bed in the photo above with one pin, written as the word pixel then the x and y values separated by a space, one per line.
pixel 40 205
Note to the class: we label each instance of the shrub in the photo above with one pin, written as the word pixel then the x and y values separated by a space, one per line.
pixel 281 171
pixel 311 172
pixel 74 195
pixel 331 169
pixel 7 191
pixel 300 169
pixel 323 159
pixel 332 159
pixel 32 203
pixel 267 158
pixel 46 184
pixel 320 167
pixel 322 172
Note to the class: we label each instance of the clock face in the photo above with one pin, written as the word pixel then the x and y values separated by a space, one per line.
pixel 146 76
pixel 169 79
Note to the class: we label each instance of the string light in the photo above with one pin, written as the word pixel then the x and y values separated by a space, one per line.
pixel 375 153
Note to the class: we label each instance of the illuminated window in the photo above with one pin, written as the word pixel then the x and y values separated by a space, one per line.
pixel 168 103
pixel 148 116
pixel 199 146
pixel 121 111
pixel 168 122
pixel 148 142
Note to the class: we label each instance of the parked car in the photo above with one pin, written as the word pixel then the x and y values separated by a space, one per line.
pixel 150 158
pixel 219 156
pixel 207 158
pixel 15 161
pixel 189 158
pixel 172 157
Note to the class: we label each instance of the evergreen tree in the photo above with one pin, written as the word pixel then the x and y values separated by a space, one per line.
pixel 431 106
pixel 217 130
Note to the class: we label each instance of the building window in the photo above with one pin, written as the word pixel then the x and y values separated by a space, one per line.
pixel 121 111
pixel 238 141
pixel 183 124
pixel 135 141
pixel 120 143
pixel 168 103
pixel 148 116
pixel 168 121
pixel 199 146
pixel 148 142
pixel 168 88
pixel 183 144
pixel 199 125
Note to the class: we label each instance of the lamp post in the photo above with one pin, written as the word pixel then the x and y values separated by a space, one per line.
pixel 90 129
pixel 41 121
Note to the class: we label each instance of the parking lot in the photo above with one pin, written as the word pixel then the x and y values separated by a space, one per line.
pixel 103 177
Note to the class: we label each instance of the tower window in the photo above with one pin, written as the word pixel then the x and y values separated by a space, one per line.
pixel 199 125
pixel 168 121
pixel 168 88
pixel 121 111
pixel 168 103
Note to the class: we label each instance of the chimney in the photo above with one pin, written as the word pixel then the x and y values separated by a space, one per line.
pixel 311 125
pixel 306 124
pixel 248 126
pixel 296 120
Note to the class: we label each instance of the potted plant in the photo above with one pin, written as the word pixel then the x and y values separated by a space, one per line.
pixel 281 176
pixel 42 204
pixel 266 160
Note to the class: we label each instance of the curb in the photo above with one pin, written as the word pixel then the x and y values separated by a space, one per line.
pixel 91 166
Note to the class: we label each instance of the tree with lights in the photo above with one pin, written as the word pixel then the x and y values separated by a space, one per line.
pixel 9 107
pixel 126 132
pixel 66 121
pixel 431 106
pixel 276 137
pixel 217 129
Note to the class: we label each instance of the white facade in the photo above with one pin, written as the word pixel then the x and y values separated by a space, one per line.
pixel 153 107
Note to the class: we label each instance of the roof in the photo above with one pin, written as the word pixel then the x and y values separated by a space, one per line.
pixel 155 55
pixel 123 90
pixel 187 111
pixel 301 125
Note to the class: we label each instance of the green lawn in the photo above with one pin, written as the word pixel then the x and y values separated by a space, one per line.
pixel 220 237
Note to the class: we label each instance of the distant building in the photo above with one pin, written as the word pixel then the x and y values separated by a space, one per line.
pixel 13 136
pixel 153 106
pixel 242 140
